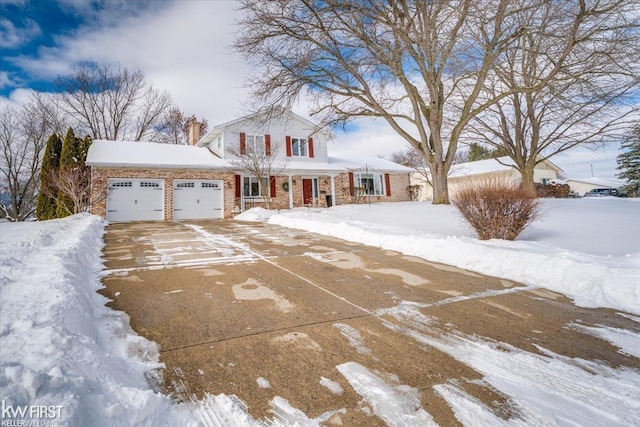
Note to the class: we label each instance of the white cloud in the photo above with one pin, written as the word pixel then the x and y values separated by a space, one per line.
pixel 12 37
pixel 5 81
pixel 372 138
pixel 584 163
pixel 17 99
pixel 185 48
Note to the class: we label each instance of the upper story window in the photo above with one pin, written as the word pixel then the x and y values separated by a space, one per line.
pixel 299 147
pixel 255 144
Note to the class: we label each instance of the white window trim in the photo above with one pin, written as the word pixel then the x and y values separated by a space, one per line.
pixel 306 147
pixel 252 144
pixel 259 197
pixel 376 177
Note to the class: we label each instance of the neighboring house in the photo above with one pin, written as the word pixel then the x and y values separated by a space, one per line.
pixel 502 168
pixel 584 185
pixel 149 181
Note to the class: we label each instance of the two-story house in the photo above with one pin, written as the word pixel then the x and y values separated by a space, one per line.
pixel 279 163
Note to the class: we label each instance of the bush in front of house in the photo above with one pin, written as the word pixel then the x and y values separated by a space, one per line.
pixel 496 209
pixel 556 189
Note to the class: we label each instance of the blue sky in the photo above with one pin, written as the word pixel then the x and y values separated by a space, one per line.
pixel 182 46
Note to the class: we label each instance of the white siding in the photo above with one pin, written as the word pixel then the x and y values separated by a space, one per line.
pixel 278 130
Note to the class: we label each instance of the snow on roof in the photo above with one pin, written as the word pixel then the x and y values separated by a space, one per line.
pixel 479 167
pixel 151 154
pixel 371 163
pixel 154 155
pixel 482 166
pixel 603 182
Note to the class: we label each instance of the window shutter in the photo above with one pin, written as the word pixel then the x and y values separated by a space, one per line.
pixel 351 190
pixel 288 144
pixel 310 142
pixel 267 145
pixel 387 184
pixel 272 184
pixel 238 186
pixel 243 143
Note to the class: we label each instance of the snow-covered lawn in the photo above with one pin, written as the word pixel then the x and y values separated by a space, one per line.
pixel 587 249
pixel 62 349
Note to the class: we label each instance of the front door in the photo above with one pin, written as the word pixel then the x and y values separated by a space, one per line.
pixel 307 191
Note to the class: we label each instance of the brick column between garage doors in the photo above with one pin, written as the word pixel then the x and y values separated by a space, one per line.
pixel 101 175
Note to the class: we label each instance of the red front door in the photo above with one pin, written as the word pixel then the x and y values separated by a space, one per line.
pixel 307 191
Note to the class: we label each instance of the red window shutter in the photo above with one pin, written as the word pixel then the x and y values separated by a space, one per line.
pixel 238 186
pixel 267 145
pixel 288 144
pixel 272 182
pixel 387 184
pixel 350 180
pixel 310 147
pixel 243 143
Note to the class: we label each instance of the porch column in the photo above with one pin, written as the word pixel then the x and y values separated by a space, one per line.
pixel 290 193
pixel 333 190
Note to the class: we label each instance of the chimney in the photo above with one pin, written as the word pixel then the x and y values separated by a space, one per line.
pixel 194 132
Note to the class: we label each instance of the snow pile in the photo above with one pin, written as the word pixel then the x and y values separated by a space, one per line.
pixel 61 346
pixel 255 214
pixel 566 252
pixel 63 350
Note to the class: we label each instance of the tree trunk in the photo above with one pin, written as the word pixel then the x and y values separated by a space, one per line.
pixel 527 179
pixel 440 186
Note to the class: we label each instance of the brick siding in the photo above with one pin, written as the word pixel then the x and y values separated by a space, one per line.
pixel 99 176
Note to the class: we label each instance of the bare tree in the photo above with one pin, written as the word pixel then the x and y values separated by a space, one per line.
pixel 75 184
pixel 49 108
pixel 588 52
pixel 412 158
pixel 174 127
pixel 419 65
pixel 23 136
pixel 259 160
pixel 111 102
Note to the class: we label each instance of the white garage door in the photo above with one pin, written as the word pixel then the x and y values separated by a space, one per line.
pixel 135 199
pixel 197 199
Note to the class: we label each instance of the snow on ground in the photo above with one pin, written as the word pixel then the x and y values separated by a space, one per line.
pixel 587 249
pixel 545 389
pixel 60 347
pixel 63 349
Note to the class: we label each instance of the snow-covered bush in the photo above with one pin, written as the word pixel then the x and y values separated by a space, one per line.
pixel 496 209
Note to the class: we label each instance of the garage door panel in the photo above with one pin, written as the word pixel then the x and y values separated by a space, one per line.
pixel 135 200
pixel 197 199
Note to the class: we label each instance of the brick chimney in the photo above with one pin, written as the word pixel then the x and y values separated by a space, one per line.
pixel 194 133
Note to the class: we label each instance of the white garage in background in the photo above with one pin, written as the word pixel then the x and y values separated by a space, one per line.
pixel 135 199
pixel 197 199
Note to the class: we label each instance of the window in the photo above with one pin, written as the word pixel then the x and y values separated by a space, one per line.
pixel 299 147
pixel 185 185
pixel 149 184
pixel 122 184
pixel 251 187
pixel 370 183
pixel 255 144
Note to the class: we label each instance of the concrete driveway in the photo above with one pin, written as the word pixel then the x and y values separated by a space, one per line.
pixel 260 311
